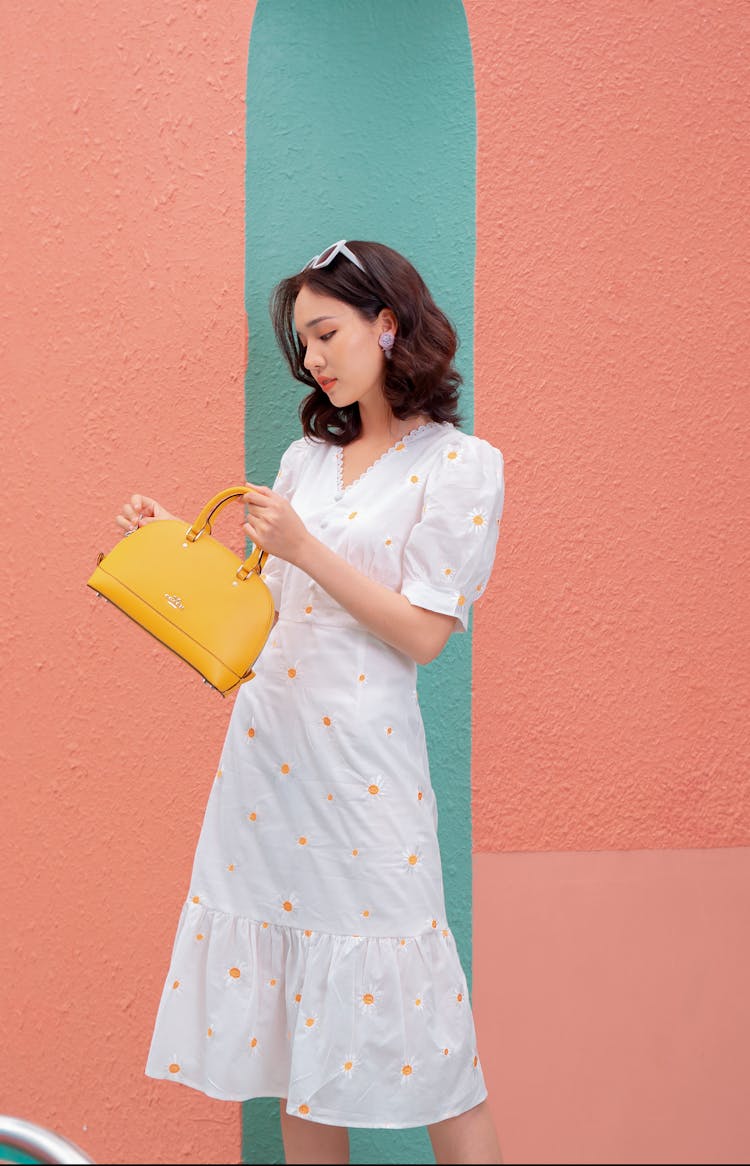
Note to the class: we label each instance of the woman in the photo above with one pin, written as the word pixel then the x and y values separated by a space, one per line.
pixel 313 959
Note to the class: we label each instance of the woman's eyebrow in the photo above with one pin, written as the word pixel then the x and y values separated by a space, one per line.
pixel 317 320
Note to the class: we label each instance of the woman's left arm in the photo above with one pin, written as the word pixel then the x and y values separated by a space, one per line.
pixel 274 525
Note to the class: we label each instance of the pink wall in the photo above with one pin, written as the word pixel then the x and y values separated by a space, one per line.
pixel 611 1005
pixel 611 681
pixel 124 341
pixel 610 741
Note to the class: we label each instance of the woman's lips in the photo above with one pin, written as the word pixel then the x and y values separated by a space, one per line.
pixel 326 384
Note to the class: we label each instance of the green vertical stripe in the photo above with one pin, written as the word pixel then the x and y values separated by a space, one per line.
pixel 360 125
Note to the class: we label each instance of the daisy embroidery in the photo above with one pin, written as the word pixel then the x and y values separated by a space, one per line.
pixel 310 1023
pixel 388 541
pixel 477 519
pixel 388 730
pixel 251 730
pixel 375 787
pixel 458 996
pixel 253 1045
pixel 348 1066
pixel 288 904
pixel 403 943
pixel 412 858
pixel 453 456
pixel 367 1002
pixel 174 1065
pixel 196 897
pixel 176 988
pixel 408 1068
pixel 303 1110
pixel 419 1001
pixel 292 671
pixel 234 974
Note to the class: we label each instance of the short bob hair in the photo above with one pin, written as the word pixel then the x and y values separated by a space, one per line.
pixel 420 377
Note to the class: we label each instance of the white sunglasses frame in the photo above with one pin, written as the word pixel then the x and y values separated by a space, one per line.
pixel 335 249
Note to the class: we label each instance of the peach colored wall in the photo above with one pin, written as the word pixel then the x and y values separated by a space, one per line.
pixel 610 730
pixel 610 654
pixel 124 348
pixel 611 1005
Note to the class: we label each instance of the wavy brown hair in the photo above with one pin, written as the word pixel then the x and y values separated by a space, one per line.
pixel 420 377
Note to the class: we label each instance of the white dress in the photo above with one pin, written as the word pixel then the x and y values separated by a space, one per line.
pixel 313 958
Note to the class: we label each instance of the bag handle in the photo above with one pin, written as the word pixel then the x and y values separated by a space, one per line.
pixel 203 522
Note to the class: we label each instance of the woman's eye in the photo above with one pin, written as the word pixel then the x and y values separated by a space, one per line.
pixel 328 335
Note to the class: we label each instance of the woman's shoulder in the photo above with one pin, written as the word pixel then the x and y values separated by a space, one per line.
pixel 300 449
pixel 457 448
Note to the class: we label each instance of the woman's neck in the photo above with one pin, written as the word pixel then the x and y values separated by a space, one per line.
pixel 380 426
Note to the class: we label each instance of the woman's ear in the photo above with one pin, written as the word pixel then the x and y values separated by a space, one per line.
pixel 387 321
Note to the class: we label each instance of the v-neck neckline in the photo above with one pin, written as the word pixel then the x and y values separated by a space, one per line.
pixel 399 444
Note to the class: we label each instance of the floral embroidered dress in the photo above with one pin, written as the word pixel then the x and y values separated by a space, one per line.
pixel 313 959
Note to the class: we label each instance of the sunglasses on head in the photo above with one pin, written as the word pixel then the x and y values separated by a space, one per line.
pixel 330 254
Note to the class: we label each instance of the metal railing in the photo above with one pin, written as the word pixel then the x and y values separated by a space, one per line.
pixel 39 1142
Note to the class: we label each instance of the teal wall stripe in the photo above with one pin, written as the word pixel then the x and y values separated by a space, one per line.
pixel 361 124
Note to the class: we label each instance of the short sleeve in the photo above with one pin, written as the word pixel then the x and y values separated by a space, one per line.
pixel 284 484
pixel 449 554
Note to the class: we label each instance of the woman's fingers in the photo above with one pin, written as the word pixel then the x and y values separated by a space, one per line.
pixel 256 495
pixel 139 510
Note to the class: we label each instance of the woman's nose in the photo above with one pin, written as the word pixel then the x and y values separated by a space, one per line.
pixel 312 358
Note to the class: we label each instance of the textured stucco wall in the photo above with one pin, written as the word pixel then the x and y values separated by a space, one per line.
pixel 610 657
pixel 123 338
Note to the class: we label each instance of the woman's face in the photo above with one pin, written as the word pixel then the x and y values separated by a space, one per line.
pixel 342 350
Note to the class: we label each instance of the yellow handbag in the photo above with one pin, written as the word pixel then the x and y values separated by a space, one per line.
pixel 192 593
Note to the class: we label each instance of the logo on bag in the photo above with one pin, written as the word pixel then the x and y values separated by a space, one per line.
pixel 174 601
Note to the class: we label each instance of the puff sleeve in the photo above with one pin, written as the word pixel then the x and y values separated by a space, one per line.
pixel 285 484
pixel 449 554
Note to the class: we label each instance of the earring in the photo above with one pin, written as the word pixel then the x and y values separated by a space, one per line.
pixel 385 340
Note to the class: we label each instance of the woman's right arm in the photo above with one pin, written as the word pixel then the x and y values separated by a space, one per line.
pixel 139 511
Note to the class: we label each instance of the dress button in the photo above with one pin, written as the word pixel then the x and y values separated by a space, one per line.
pixel 338 496
pixel 323 523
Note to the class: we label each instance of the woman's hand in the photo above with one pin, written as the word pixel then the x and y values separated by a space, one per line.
pixel 138 511
pixel 273 524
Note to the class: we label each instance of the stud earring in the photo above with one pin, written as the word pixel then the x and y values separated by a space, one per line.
pixel 385 340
